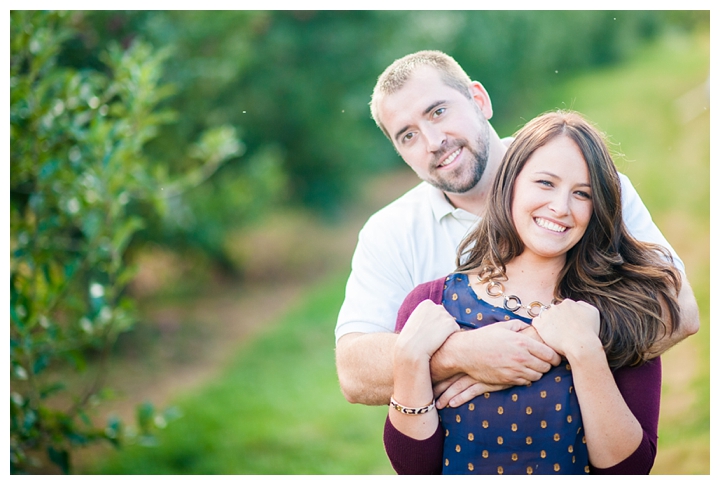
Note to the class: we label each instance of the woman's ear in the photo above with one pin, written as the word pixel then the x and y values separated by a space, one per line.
pixel 482 99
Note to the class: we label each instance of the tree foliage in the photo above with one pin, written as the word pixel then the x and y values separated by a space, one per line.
pixel 298 83
pixel 77 165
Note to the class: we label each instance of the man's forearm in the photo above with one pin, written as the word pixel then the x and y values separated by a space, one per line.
pixel 443 364
pixel 365 368
pixel 498 355
pixel 689 321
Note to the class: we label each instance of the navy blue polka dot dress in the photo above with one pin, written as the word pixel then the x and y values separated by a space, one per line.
pixel 533 429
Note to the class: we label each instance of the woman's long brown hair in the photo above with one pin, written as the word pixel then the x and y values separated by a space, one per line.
pixel 625 279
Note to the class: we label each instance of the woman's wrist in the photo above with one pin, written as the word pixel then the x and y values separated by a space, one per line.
pixel 410 353
pixel 412 385
pixel 405 360
pixel 584 349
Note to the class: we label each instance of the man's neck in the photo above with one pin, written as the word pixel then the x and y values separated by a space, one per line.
pixel 475 199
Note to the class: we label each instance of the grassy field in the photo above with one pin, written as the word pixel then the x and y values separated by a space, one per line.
pixel 277 408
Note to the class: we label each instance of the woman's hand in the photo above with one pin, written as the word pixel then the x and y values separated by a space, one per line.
pixel 425 331
pixel 569 326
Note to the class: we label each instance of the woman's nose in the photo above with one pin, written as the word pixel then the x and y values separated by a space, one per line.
pixel 559 204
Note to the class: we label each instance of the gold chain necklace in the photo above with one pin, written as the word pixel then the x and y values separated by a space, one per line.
pixel 513 303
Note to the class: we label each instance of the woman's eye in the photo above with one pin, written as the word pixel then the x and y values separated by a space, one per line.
pixel 546 183
pixel 584 195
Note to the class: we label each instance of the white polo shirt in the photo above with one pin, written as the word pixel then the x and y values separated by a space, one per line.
pixel 414 240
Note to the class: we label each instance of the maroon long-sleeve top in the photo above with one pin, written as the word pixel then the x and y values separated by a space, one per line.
pixel 640 387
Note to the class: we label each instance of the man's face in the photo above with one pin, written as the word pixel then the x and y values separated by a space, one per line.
pixel 441 134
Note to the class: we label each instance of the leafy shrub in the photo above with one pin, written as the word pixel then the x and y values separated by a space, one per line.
pixel 77 165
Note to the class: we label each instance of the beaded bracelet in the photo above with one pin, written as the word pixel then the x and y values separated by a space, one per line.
pixel 406 410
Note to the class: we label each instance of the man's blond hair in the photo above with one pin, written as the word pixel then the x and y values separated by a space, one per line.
pixel 398 73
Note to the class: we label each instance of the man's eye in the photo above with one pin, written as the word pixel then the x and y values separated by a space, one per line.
pixel 408 136
pixel 439 111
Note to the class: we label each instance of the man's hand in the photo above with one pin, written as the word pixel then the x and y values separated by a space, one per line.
pixel 494 354
pixel 461 388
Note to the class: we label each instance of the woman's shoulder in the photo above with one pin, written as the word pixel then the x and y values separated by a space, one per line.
pixel 430 290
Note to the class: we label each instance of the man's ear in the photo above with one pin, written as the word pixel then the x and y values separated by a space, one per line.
pixel 482 99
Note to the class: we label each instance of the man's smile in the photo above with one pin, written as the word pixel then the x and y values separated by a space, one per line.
pixel 450 158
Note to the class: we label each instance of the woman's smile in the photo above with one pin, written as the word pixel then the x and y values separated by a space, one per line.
pixel 552 226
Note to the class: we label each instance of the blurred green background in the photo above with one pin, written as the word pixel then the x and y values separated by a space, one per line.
pixel 241 275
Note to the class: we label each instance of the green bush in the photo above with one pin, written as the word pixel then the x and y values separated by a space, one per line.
pixel 77 165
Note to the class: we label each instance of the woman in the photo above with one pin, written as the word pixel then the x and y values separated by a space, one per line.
pixel 553 235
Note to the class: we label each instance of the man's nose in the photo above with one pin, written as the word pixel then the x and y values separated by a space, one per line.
pixel 434 137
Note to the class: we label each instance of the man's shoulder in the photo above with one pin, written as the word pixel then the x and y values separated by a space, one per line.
pixel 420 194
pixel 624 179
pixel 628 192
pixel 414 204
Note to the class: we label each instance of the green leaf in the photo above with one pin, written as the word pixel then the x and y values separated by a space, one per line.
pixel 29 420
pixel 84 417
pixel 76 358
pixel 51 389
pixel 41 363
pixel 92 224
pixel 113 430
pixel 122 235
pixel 48 169
pixel 60 457
pixel 144 414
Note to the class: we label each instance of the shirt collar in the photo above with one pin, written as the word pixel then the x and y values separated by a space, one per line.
pixel 441 207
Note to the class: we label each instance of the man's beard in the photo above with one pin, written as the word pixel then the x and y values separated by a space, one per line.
pixel 464 178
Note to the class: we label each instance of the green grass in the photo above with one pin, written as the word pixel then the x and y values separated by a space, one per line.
pixel 278 408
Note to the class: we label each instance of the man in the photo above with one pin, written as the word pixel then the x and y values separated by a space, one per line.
pixel 437 120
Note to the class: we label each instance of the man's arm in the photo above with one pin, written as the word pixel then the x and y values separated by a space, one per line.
pixel 499 354
pixel 365 368
pixel 689 321
pixel 496 355
pixel 640 224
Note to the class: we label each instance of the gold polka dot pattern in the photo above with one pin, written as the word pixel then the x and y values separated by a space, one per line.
pixel 531 429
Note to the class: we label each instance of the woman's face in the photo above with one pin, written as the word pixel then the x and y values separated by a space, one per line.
pixel 552 202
